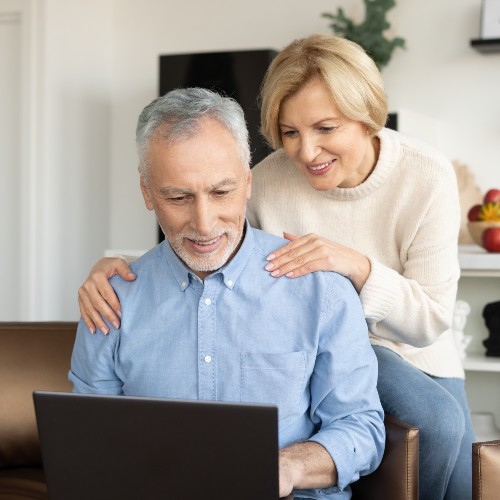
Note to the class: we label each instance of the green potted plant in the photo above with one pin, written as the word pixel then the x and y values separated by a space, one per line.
pixel 370 32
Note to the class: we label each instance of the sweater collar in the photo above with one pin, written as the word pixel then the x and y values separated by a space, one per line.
pixel 390 152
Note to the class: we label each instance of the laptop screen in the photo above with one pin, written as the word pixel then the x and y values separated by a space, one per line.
pixel 130 448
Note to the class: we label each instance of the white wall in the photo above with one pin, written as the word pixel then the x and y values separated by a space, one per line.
pixel 98 67
pixel 10 159
pixel 439 75
pixel 75 132
pixel 71 94
pixel 146 29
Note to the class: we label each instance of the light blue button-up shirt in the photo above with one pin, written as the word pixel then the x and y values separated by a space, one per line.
pixel 242 335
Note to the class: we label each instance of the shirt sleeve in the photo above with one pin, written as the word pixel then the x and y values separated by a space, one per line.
pixel 92 362
pixel 345 405
pixel 415 305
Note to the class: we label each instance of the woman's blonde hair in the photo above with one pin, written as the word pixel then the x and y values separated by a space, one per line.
pixel 349 73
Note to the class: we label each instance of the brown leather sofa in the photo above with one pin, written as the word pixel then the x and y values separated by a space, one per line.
pixel 32 356
pixel 486 471
pixel 36 356
pixel 397 475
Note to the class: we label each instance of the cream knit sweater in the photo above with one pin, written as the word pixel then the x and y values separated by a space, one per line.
pixel 405 218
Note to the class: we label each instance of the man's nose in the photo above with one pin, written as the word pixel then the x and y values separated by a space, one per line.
pixel 203 217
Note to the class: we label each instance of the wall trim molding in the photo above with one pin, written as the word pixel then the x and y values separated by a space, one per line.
pixel 26 13
pixel 10 17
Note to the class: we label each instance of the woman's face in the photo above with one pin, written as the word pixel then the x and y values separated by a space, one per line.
pixel 329 150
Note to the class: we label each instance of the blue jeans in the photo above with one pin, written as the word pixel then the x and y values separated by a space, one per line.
pixel 438 407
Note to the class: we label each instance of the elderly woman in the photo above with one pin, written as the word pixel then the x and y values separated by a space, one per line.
pixel 368 203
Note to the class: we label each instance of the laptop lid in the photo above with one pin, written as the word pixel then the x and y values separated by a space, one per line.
pixel 128 448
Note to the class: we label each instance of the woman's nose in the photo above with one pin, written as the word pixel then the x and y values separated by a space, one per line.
pixel 309 150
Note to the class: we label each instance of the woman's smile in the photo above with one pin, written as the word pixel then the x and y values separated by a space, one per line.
pixel 320 169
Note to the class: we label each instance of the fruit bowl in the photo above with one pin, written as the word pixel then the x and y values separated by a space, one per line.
pixel 476 229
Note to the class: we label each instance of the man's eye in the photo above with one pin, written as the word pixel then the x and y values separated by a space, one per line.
pixel 178 199
pixel 220 194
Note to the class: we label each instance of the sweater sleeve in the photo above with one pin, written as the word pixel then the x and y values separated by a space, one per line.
pixel 415 306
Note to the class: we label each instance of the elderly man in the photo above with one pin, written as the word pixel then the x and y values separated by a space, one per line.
pixel 203 320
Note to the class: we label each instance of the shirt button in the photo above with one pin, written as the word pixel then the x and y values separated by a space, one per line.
pixel 208 359
pixel 208 302
pixel 184 284
pixel 229 282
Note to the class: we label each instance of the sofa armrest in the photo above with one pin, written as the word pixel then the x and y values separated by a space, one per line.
pixel 33 356
pixel 486 470
pixel 397 476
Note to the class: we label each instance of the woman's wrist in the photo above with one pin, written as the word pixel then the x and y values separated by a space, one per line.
pixel 361 271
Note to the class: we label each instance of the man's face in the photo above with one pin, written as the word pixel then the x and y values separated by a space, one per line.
pixel 198 189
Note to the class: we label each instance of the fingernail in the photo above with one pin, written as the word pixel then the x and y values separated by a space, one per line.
pixel 269 267
pixel 104 330
pixel 288 275
pixel 116 325
pixel 92 331
pixel 131 275
pixel 275 273
pixel 270 256
pixel 119 314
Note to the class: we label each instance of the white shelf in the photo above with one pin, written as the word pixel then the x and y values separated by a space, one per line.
pixel 113 252
pixel 475 261
pixel 482 372
pixel 481 363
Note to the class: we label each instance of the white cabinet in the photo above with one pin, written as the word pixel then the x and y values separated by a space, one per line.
pixel 479 285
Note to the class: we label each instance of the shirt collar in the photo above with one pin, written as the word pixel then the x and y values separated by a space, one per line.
pixel 230 272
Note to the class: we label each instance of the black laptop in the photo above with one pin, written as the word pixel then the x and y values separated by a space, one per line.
pixel 133 448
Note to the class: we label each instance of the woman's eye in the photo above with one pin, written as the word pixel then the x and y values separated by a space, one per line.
pixel 289 133
pixel 326 130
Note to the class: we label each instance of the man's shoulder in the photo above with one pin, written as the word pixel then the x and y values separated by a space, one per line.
pixel 148 258
pixel 144 267
pixel 266 243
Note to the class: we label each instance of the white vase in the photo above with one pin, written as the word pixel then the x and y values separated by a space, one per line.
pixel 460 313
pixel 484 426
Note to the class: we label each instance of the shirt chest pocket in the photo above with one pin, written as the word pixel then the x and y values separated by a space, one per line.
pixel 277 379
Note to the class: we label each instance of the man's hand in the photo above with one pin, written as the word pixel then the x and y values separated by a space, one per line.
pixel 305 465
pixel 96 296
pixel 286 475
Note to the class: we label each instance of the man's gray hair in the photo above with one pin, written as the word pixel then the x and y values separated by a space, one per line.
pixel 178 113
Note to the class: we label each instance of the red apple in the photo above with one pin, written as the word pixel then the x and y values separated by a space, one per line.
pixel 491 239
pixel 492 196
pixel 473 214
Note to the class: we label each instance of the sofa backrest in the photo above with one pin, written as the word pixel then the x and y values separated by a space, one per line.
pixel 33 356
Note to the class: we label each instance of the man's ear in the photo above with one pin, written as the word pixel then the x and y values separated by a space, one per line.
pixel 249 184
pixel 146 193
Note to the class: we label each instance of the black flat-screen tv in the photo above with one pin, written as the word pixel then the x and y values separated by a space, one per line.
pixel 237 74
